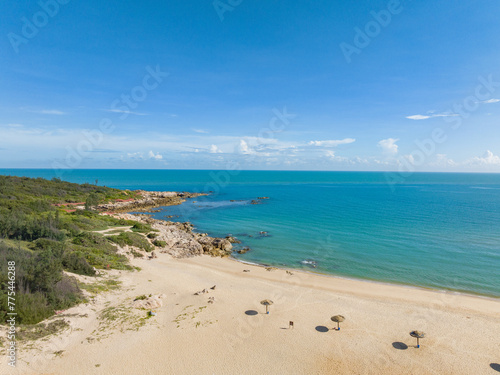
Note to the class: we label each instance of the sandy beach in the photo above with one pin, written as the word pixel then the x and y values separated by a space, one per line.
pixel 233 335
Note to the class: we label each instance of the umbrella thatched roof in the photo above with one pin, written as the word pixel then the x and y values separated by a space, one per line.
pixel 266 302
pixel 417 334
pixel 338 318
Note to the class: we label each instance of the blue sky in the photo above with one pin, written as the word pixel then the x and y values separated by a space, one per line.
pixel 328 85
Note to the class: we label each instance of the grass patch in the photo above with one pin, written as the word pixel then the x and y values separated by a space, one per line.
pixel 159 243
pixel 122 318
pixel 40 330
pixel 190 313
pixel 136 254
pixel 141 228
pixel 132 239
pixel 101 286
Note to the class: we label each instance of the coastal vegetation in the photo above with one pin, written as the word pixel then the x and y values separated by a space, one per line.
pixel 48 227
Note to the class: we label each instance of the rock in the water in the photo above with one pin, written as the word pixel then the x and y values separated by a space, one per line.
pixel 232 239
pixel 244 250
pixel 222 244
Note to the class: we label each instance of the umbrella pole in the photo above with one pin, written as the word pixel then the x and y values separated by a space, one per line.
pixel 267 309
pixel 418 343
pixel 338 326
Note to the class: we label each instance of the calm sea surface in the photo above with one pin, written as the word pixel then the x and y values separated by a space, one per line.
pixel 434 230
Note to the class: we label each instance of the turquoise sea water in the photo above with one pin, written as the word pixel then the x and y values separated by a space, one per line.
pixel 431 229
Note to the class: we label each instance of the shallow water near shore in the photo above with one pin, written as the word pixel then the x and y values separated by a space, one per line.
pixel 432 229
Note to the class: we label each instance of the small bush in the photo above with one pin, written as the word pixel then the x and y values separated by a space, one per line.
pixel 159 243
pixel 75 262
pixel 152 235
pixel 44 244
pixel 35 332
pixel 142 228
pixel 32 308
pixel 95 240
pixel 136 254
pixel 131 239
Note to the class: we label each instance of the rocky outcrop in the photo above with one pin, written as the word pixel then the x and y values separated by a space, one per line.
pixel 179 240
pixel 149 303
pixel 148 200
pixel 244 250
pixel 232 239
pixel 219 247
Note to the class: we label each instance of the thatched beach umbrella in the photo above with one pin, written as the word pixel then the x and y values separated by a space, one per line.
pixel 267 303
pixel 338 319
pixel 418 335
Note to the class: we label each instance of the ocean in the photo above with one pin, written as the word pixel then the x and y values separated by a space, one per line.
pixel 433 230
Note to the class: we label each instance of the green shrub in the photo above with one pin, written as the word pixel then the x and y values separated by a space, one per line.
pixel 131 239
pixel 159 243
pixel 141 227
pixel 152 235
pixel 102 258
pixel 45 244
pixel 32 308
pixel 95 240
pixel 136 254
pixel 75 262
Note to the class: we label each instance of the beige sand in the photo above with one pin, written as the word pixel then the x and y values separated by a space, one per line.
pixel 463 332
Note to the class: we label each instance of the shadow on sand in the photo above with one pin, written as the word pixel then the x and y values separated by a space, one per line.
pixel 399 345
pixel 322 329
pixel 495 366
pixel 251 312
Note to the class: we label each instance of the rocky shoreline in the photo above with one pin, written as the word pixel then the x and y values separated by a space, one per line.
pixel 174 238
pixel 178 239
pixel 148 200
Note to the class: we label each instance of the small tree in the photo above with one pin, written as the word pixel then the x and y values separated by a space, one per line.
pixel 92 201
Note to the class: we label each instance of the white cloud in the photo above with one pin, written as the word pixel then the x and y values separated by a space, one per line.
pixel 50 112
pixel 135 155
pixel 489 101
pixel 244 148
pixel 215 150
pixel 331 155
pixel 426 117
pixel 487 159
pixel 331 143
pixel 389 145
pixel 15 125
pixel 126 112
pixel 200 131
pixel 154 156
pixel 418 117
pixel 442 160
